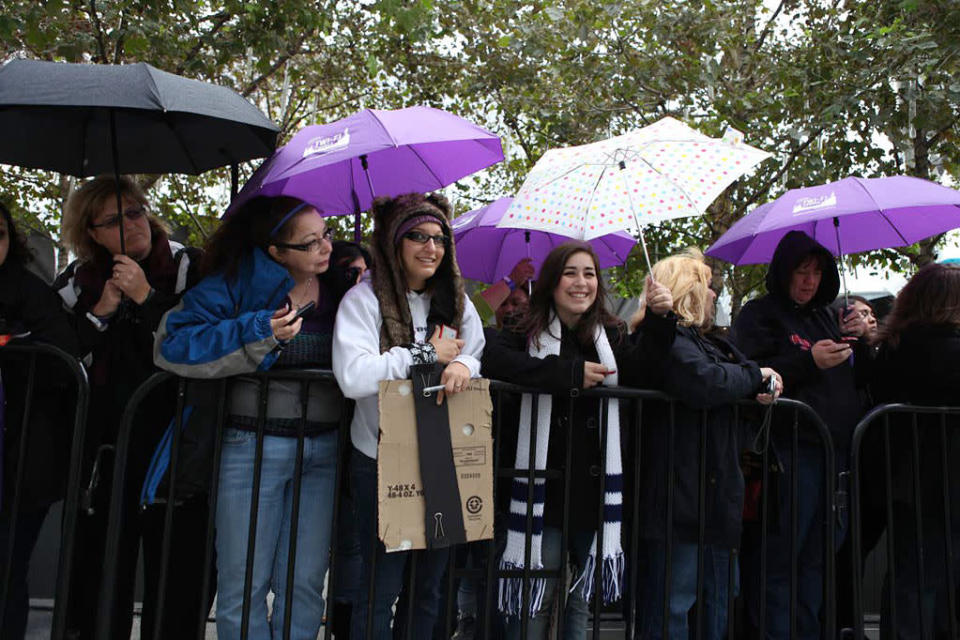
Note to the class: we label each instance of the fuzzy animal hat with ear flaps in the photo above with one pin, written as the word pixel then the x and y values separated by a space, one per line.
pixel 392 218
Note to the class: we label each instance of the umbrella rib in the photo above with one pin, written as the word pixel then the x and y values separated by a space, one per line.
pixel 674 184
pixel 186 151
pixel 373 115
pixel 429 168
pixel 593 192
pixel 153 82
pixel 572 169
pixel 880 211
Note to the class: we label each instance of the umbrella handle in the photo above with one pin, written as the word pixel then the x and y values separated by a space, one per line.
pixel 843 270
pixel 643 241
pixel 116 177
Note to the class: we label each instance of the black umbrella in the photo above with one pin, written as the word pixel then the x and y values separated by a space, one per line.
pixel 87 119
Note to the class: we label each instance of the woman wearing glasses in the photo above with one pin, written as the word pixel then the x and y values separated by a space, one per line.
pixel 385 325
pixel 262 306
pixel 117 299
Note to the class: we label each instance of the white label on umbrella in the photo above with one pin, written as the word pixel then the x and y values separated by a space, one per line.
pixel 806 205
pixel 328 144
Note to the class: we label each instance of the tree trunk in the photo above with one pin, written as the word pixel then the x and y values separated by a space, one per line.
pixel 66 188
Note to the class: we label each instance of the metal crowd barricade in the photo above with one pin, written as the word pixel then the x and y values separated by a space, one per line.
pixel 76 374
pixel 108 586
pixel 919 450
pixel 635 402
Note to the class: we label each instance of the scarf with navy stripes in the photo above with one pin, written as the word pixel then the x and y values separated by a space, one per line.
pixel 611 552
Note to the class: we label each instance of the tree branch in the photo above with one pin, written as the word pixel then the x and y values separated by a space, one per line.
pixel 765 188
pixel 118 48
pixel 219 20
pixel 278 63
pixel 767 27
pixel 101 44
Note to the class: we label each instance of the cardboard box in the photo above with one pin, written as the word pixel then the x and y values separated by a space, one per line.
pixel 399 489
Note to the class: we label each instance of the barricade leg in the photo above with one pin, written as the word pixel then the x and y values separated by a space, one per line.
pixel 810 552
pixel 233 509
pixel 184 570
pixel 313 540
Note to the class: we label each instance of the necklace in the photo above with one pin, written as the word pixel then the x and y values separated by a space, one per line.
pixel 305 295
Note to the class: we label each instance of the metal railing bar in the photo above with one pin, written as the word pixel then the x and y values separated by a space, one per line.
pixel 212 507
pixel 167 543
pixel 295 510
pixel 25 433
pixel 263 391
pixel 701 523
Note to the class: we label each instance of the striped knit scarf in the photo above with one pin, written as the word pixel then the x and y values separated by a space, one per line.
pixel 511 589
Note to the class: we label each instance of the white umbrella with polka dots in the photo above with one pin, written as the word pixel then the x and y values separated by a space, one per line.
pixel 664 171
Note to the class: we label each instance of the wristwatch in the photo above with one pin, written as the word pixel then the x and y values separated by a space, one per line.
pixel 510 283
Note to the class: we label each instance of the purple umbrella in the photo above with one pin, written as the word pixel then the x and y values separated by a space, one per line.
pixel 341 167
pixel 848 216
pixel 487 252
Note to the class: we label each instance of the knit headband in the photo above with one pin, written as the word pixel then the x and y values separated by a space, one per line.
pixel 297 209
pixel 414 221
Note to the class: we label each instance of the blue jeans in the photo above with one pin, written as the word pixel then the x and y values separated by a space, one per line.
pixel 273 533
pixel 390 567
pixel 683 590
pixel 576 615
pixel 809 550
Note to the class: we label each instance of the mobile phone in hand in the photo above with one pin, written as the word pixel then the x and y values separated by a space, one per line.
pixel 302 311
pixel 448 332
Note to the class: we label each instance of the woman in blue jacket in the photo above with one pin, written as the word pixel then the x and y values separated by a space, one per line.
pixel 263 264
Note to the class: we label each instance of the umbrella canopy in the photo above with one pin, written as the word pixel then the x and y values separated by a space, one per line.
pixel 88 119
pixel 660 172
pixel 487 252
pixel 341 167
pixel 848 216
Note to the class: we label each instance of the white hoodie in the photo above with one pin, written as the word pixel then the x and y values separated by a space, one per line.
pixel 359 366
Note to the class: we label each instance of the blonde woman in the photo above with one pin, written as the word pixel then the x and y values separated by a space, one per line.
pixel 703 372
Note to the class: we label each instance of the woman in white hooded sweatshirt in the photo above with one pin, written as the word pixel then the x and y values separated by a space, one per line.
pixel 385 325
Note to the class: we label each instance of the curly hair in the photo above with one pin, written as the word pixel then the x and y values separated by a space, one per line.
pixel 931 297
pixel 688 277
pixel 18 253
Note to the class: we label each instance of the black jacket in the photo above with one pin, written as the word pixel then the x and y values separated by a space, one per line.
pixel 119 354
pixel 778 333
pixel 28 304
pixel 703 372
pixel 639 364
pixel 923 369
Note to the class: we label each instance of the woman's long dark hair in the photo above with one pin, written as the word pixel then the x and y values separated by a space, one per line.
pixel 932 297
pixel 541 307
pixel 244 230
pixel 18 253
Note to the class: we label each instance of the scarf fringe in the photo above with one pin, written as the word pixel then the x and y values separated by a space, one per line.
pixel 511 591
pixel 612 577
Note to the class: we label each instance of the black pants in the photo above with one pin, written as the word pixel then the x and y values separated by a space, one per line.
pixel 182 607
pixel 16 601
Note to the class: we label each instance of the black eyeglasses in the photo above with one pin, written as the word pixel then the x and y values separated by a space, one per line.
pixel 114 220
pixel 440 241
pixel 310 247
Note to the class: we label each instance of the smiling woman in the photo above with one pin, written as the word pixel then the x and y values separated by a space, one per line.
pixel 385 326
pixel 568 341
